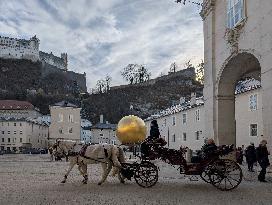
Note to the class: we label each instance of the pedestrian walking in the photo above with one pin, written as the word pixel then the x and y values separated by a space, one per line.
pixel 250 154
pixel 262 158
pixel 239 155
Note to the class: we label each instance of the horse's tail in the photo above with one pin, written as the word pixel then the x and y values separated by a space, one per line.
pixel 119 154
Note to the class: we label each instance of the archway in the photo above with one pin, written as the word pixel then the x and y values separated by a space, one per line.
pixel 239 66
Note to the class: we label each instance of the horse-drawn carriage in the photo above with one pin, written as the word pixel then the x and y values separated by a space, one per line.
pixel 224 174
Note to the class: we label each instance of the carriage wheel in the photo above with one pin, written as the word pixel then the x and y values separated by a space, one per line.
pixel 225 174
pixel 146 174
pixel 205 174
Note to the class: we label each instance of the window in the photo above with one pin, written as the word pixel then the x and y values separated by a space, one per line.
pixel 184 116
pixel 173 138
pixel 253 130
pixel 197 133
pixel 101 134
pixel 235 12
pixel 184 136
pixel 197 115
pixel 60 117
pixel 3 139
pixel 60 131
pixel 8 139
pixel 174 121
pixel 21 132
pixel 8 132
pixel 70 130
pixel 253 102
pixel 14 132
pixel 3 132
pixel 71 118
pixel 21 139
pixel 14 124
pixel 20 124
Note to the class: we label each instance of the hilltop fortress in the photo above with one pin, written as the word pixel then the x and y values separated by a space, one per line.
pixel 14 48
pixel 29 49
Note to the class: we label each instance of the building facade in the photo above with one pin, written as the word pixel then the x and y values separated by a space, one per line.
pixel 104 132
pixel 65 122
pixel 85 132
pixel 19 48
pixel 237 44
pixel 17 134
pixel 184 125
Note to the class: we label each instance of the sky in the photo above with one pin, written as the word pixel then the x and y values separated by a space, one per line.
pixel 101 37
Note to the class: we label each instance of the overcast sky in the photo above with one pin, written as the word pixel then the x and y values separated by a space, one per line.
pixel 102 36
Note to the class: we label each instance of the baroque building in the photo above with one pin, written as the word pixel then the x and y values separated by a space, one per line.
pixel 237 45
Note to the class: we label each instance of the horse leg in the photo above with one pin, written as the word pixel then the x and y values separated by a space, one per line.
pixel 72 164
pixel 83 170
pixel 106 170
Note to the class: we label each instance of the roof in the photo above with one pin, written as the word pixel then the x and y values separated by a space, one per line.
pixel 247 85
pixel 23 119
pixel 15 105
pixel 65 104
pixel 176 109
pixel 104 126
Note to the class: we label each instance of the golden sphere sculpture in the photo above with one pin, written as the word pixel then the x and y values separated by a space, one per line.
pixel 131 130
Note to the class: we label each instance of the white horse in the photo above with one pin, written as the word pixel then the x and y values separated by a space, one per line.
pixel 106 154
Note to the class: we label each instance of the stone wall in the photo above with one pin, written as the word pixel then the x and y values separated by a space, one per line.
pixel 49 58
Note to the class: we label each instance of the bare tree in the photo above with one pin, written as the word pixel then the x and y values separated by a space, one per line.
pixel 200 72
pixel 134 73
pixel 108 82
pixel 173 68
pixel 101 85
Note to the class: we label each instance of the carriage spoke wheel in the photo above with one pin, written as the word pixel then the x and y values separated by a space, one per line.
pixel 146 174
pixel 225 174
pixel 205 174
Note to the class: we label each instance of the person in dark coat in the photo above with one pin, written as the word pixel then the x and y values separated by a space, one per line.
pixel 154 130
pixel 262 158
pixel 239 155
pixel 250 156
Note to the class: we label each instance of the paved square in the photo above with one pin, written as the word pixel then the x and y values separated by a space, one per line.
pixel 33 179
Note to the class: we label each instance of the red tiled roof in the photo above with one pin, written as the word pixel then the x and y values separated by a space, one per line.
pixel 15 105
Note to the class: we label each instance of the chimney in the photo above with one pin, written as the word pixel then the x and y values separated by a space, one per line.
pixel 101 119
pixel 193 99
pixel 182 100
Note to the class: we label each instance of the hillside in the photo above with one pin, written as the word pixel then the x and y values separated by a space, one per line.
pixel 35 82
pixel 141 99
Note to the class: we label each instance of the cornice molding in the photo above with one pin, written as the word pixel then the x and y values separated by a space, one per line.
pixel 207 7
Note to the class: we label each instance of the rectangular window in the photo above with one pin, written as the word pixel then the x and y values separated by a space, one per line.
pixel 20 124
pixel 174 121
pixel 21 132
pixel 14 132
pixel 3 139
pixel 184 136
pixel 235 12
pixel 197 135
pixel 60 117
pixel 8 132
pixel 14 124
pixel 253 130
pixel 70 118
pixel 3 132
pixel 197 115
pixel 253 102
pixel 101 134
pixel 8 139
pixel 173 138
pixel 21 139
pixel 184 116
pixel 70 130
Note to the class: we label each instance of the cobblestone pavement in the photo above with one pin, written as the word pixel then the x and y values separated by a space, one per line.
pixel 33 179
